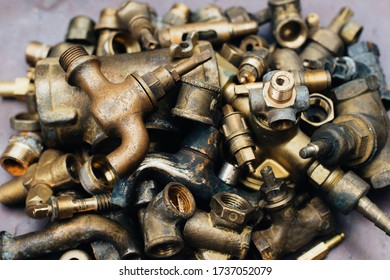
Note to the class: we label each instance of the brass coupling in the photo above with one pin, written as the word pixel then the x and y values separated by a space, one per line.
pixel 160 220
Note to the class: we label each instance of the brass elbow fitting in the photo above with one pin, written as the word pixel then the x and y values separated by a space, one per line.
pixel 288 27
pixel 160 220
pixel 291 228
pixel 215 32
pixel 22 150
pixel 79 230
pixel 111 102
pixel 224 229
pixel 137 18
pixel 280 100
pixel 326 42
pixel 238 137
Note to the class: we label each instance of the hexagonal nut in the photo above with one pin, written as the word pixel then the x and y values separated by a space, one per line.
pixel 39 194
pixel 231 208
pixel 318 173
pixel 232 54
pixel 320 112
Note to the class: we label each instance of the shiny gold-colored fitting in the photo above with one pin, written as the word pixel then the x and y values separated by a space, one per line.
pixel 280 92
pixel 97 176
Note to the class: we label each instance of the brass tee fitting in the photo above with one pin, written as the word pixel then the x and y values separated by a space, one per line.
pixel 224 229
pixel 119 108
pixel 288 27
pixel 160 220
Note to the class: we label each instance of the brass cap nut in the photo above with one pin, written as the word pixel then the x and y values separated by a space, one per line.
pixel 230 208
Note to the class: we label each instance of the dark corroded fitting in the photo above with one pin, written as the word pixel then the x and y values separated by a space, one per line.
pixel 111 102
pixel 366 54
pixel 361 96
pixel 347 191
pixel 351 139
pixel 160 220
pixel 199 152
pixel 22 150
pixel 291 228
pixel 288 26
pixel 224 229
pixel 67 235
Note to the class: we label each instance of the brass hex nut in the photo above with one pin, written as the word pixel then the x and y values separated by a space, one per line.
pixel 231 208
pixel 280 91
pixel 319 173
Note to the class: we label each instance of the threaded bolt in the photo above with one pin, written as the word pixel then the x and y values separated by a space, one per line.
pixel 66 206
pixel 71 55
pixel 268 177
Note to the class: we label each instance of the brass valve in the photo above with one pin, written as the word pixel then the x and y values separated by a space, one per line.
pixel 238 137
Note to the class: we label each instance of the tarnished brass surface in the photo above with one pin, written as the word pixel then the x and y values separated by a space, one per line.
pixel 223 229
pixel 289 28
pixel 160 220
pixel 67 235
pixel 214 32
pixel 84 71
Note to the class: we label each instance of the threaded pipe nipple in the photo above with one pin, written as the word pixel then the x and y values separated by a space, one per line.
pixel 71 55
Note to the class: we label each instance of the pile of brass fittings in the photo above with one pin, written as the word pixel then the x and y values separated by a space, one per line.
pixel 190 137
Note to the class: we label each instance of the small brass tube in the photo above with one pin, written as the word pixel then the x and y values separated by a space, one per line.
pixel 67 235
